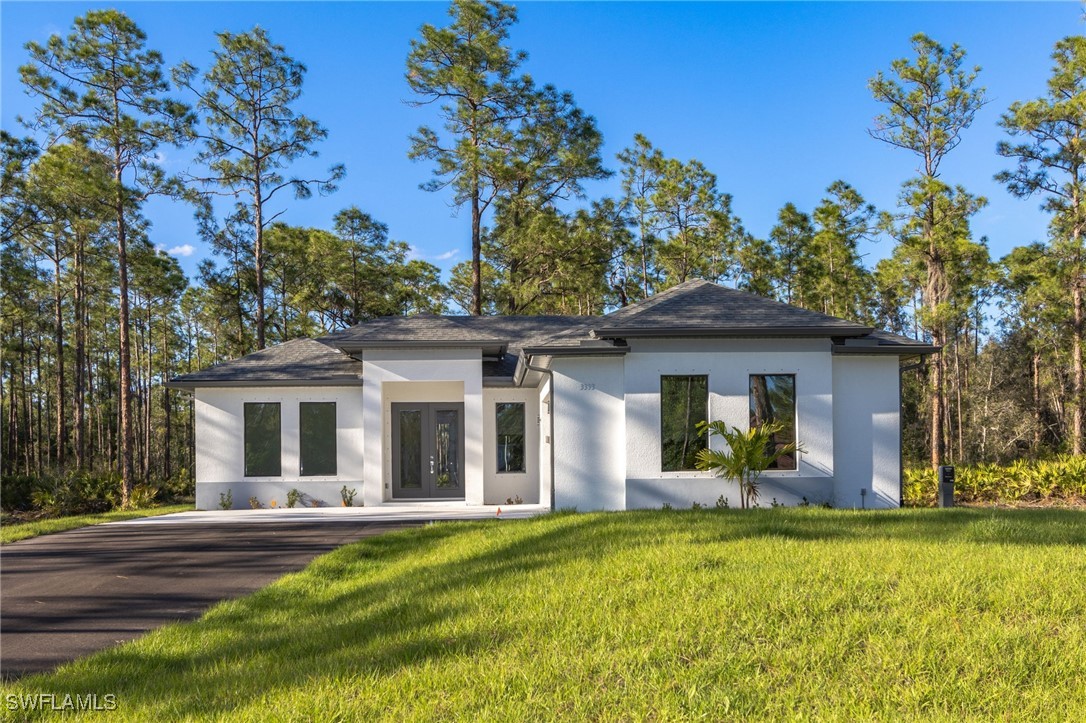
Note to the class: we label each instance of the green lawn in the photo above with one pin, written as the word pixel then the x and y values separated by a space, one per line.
pixel 11 532
pixel 772 613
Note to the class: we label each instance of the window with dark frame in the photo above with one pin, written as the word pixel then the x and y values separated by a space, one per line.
pixel 263 440
pixel 509 426
pixel 684 402
pixel 317 437
pixel 773 399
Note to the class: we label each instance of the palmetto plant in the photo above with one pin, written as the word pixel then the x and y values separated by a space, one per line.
pixel 748 454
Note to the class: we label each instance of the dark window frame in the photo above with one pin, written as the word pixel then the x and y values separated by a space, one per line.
pixel 302 438
pixel 523 437
pixel 795 416
pixel 699 439
pixel 246 471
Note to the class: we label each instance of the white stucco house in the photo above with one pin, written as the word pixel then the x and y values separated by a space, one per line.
pixel 592 413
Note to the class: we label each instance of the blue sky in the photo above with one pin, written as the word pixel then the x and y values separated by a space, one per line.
pixel 772 97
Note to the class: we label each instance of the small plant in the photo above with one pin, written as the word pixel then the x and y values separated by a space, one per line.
pixel 722 503
pixel 514 500
pixel 696 506
pixel 226 500
pixel 748 455
pixel 348 496
pixel 254 503
pixel 293 497
pixel 776 504
pixel 666 507
pixel 804 503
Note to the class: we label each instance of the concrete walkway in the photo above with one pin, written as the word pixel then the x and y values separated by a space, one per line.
pixel 389 512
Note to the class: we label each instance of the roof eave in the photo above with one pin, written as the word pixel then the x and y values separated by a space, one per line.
pixel 888 349
pixel 190 384
pixel 622 332
pixel 352 348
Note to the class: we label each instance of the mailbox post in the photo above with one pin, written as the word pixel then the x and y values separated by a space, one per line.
pixel 946 486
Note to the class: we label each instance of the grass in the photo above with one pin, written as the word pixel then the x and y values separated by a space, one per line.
pixel 14 531
pixel 770 613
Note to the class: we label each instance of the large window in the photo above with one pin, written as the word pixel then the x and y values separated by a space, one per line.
pixel 317 430
pixel 684 402
pixel 262 440
pixel 510 431
pixel 773 399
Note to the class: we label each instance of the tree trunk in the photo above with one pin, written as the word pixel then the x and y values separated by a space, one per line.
pixel 476 254
pixel 124 353
pixel 80 351
pixel 62 417
pixel 1078 400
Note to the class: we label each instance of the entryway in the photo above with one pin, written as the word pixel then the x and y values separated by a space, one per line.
pixel 427 450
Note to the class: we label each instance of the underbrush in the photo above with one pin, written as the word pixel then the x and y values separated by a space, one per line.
pixel 1060 479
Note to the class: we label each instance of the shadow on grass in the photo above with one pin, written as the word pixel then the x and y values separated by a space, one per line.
pixel 397 602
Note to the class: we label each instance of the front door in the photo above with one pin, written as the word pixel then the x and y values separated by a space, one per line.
pixel 427 450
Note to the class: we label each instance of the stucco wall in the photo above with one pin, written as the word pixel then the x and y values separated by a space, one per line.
pixel 866 423
pixel 498 487
pixel 403 375
pixel 589 433
pixel 728 364
pixel 220 441
pixel 545 457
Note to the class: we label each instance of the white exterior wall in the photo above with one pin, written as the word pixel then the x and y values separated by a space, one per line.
pixel 589 433
pixel 220 444
pixel 866 424
pixel 728 364
pixel 545 446
pixel 431 375
pixel 499 487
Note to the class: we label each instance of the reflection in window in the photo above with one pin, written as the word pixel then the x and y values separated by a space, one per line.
pixel 262 440
pixel 510 431
pixel 317 432
pixel 684 402
pixel 773 399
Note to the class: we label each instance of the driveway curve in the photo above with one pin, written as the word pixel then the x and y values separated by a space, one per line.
pixel 66 595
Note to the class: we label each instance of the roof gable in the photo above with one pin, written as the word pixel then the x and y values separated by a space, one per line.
pixel 702 308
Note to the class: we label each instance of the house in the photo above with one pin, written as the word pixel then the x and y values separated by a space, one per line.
pixel 568 411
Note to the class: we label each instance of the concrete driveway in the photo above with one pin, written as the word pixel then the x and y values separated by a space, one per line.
pixel 66 595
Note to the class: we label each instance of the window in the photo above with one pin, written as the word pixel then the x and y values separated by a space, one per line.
pixel 262 440
pixel 684 402
pixel 773 399
pixel 317 432
pixel 510 432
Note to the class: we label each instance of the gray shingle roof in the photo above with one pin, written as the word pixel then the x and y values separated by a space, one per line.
pixel 703 308
pixel 693 308
pixel 306 361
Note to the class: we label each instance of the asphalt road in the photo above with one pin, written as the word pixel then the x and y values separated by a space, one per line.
pixel 66 595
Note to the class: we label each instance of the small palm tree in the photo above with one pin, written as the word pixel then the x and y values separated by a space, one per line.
pixel 748 455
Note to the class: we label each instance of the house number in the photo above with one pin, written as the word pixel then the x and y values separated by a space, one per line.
pixel 588 387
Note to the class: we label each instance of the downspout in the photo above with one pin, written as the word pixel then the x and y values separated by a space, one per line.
pixel 550 376
pixel 901 430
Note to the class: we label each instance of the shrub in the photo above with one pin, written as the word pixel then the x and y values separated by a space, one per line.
pixel 1021 480
pixel 348 496
pixel 294 496
pixel 226 500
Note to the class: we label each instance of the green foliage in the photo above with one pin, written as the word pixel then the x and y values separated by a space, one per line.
pixel 1062 478
pixel 294 496
pixel 749 454
pixel 254 503
pixel 16 529
pixel 226 500
pixel 62 494
pixel 347 495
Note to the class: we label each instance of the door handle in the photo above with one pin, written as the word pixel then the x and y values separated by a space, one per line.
pixel 431 465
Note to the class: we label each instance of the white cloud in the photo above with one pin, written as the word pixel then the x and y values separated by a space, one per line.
pixel 447 255
pixel 179 250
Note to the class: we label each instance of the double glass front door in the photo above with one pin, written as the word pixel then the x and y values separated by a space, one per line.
pixel 427 450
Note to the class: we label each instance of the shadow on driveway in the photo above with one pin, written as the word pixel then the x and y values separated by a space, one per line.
pixel 66 595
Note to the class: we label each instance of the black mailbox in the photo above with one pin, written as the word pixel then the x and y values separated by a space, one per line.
pixel 946 486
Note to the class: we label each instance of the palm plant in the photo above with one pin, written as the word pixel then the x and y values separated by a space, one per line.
pixel 748 454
